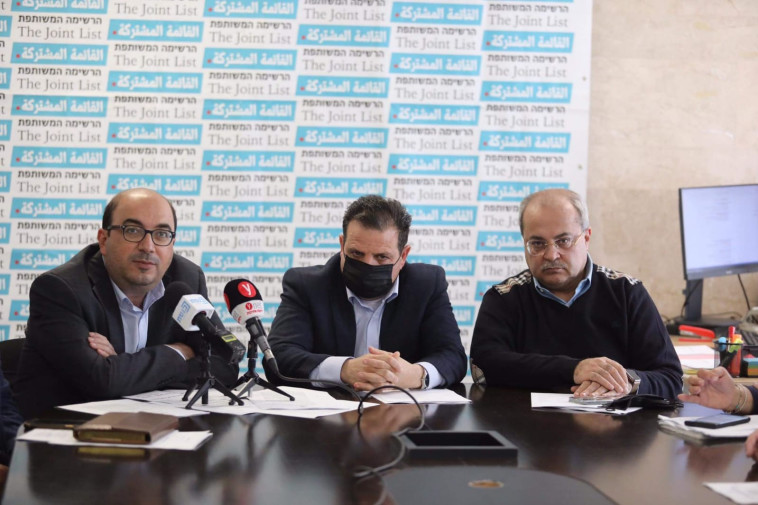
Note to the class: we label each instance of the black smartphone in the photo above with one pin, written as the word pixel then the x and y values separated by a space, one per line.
pixel 717 421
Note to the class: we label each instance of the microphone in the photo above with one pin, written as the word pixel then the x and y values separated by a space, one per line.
pixel 246 306
pixel 193 313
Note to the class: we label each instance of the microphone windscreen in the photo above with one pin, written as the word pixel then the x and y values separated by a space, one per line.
pixel 243 300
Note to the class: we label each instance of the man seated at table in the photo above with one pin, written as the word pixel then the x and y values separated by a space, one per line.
pixel 368 318
pixel 566 322
pixel 716 389
pixel 99 326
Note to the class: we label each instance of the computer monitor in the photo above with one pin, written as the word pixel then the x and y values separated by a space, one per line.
pixel 719 226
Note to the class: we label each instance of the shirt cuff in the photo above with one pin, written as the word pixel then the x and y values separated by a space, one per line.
pixel 435 379
pixel 177 351
pixel 329 370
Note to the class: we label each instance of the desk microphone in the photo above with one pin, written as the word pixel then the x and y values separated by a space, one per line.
pixel 246 306
pixel 193 311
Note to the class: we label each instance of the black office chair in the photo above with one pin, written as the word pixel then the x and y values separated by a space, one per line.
pixel 10 352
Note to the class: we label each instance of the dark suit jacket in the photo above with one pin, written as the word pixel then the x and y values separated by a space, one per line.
pixel 315 320
pixel 58 366
pixel 10 420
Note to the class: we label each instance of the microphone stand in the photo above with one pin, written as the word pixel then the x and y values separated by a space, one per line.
pixel 252 377
pixel 206 380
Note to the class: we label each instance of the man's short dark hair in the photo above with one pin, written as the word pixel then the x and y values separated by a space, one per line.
pixel 111 208
pixel 378 213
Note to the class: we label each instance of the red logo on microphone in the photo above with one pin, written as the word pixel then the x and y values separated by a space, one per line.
pixel 247 289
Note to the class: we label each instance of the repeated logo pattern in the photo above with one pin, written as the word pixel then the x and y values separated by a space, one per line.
pixel 262 119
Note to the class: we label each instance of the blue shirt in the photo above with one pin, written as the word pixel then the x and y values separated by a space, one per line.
pixel 583 287
pixel 135 319
pixel 368 323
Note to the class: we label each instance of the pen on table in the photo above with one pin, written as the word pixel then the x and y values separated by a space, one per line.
pixel 727 359
pixel 52 424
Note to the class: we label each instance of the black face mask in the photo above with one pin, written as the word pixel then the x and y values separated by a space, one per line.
pixel 367 281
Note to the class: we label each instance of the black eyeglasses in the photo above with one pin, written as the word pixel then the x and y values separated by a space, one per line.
pixel 133 233
pixel 537 247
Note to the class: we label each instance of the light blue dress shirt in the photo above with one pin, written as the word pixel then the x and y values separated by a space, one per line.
pixel 135 319
pixel 368 323
pixel 581 288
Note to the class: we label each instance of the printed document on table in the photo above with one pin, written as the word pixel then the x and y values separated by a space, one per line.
pixel 421 396
pixel 176 440
pixel 744 493
pixel 126 405
pixel 308 403
pixel 563 402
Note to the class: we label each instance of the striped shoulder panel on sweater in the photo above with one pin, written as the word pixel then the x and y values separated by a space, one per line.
pixel 521 279
pixel 615 274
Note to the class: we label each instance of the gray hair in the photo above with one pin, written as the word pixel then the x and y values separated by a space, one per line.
pixel 572 196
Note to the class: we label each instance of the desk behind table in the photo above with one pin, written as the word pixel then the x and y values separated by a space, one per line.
pixel 272 459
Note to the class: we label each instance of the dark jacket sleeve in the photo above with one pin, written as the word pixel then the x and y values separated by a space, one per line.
pixel 10 420
pixel 292 337
pixel 652 354
pixel 58 330
pixel 425 316
pixel 58 366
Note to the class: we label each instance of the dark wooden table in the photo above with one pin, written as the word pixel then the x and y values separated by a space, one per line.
pixel 270 459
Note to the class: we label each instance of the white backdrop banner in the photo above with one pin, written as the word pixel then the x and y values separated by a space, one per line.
pixel 262 120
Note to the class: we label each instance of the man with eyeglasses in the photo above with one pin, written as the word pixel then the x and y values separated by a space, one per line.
pixel 567 323
pixel 99 326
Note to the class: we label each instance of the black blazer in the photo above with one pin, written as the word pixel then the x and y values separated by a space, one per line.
pixel 57 365
pixel 315 320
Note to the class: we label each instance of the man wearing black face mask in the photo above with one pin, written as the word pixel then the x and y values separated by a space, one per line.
pixel 367 318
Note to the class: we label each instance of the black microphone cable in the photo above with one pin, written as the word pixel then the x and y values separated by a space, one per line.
pixel 363 473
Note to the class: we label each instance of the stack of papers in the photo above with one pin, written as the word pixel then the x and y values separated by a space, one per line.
pixel 676 426
pixel 694 357
pixel 563 402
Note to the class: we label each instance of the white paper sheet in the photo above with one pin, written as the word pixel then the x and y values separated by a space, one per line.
pixel 696 356
pixel 176 440
pixel 426 396
pixel 127 405
pixel 744 493
pixel 563 402
pixel 308 403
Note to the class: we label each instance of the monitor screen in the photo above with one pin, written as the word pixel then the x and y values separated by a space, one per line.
pixel 719 230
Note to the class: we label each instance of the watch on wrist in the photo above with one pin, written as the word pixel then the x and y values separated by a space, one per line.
pixel 424 378
pixel 634 379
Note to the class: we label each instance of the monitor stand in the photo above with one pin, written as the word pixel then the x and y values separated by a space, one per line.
pixel 693 311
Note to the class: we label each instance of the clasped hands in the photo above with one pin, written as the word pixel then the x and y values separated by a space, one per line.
pixel 380 368
pixel 600 377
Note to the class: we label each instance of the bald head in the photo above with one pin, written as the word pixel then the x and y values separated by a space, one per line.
pixel 137 194
pixel 555 198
